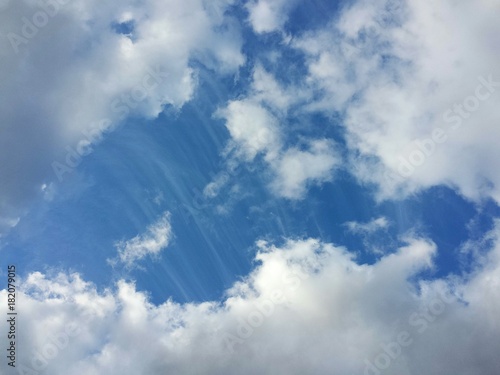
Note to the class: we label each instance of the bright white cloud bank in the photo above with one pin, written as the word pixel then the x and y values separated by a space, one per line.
pixel 308 308
pixel 67 76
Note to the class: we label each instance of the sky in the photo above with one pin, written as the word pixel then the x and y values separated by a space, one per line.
pixel 240 187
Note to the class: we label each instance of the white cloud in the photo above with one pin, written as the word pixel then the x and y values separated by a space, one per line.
pixel 296 169
pixel 213 188
pixel 398 72
pixel 308 307
pixel 269 15
pixel 253 129
pixel 257 125
pixel 72 77
pixel 374 235
pixel 150 243
pixel 266 89
pixel 369 227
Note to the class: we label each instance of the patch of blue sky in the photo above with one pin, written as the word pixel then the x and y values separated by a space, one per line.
pixel 313 15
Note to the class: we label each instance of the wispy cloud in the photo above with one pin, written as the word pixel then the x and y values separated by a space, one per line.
pixel 369 227
pixel 150 243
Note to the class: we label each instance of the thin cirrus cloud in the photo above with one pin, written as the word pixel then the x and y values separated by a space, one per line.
pixel 156 237
pixel 308 307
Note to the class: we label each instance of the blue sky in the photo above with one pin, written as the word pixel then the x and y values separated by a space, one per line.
pixel 243 148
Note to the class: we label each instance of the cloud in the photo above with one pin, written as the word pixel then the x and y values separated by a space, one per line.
pixel 369 227
pixel 308 307
pixel 150 243
pixel 70 74
pixel 256 125
pixel 266 89
pixel 297 169
pixel 374 234
pixel 269 15
pixel 417 84
pixel 253 129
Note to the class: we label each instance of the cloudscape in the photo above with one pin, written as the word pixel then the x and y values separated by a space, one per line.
pixel 242 187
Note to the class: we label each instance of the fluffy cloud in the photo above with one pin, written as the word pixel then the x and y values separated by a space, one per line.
pixel 253 129
pixel 269 15
pixel 72 70
pixel 150 243
pixel 296 169
pixel 308 307
pixel 418 85
pixel 256 125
